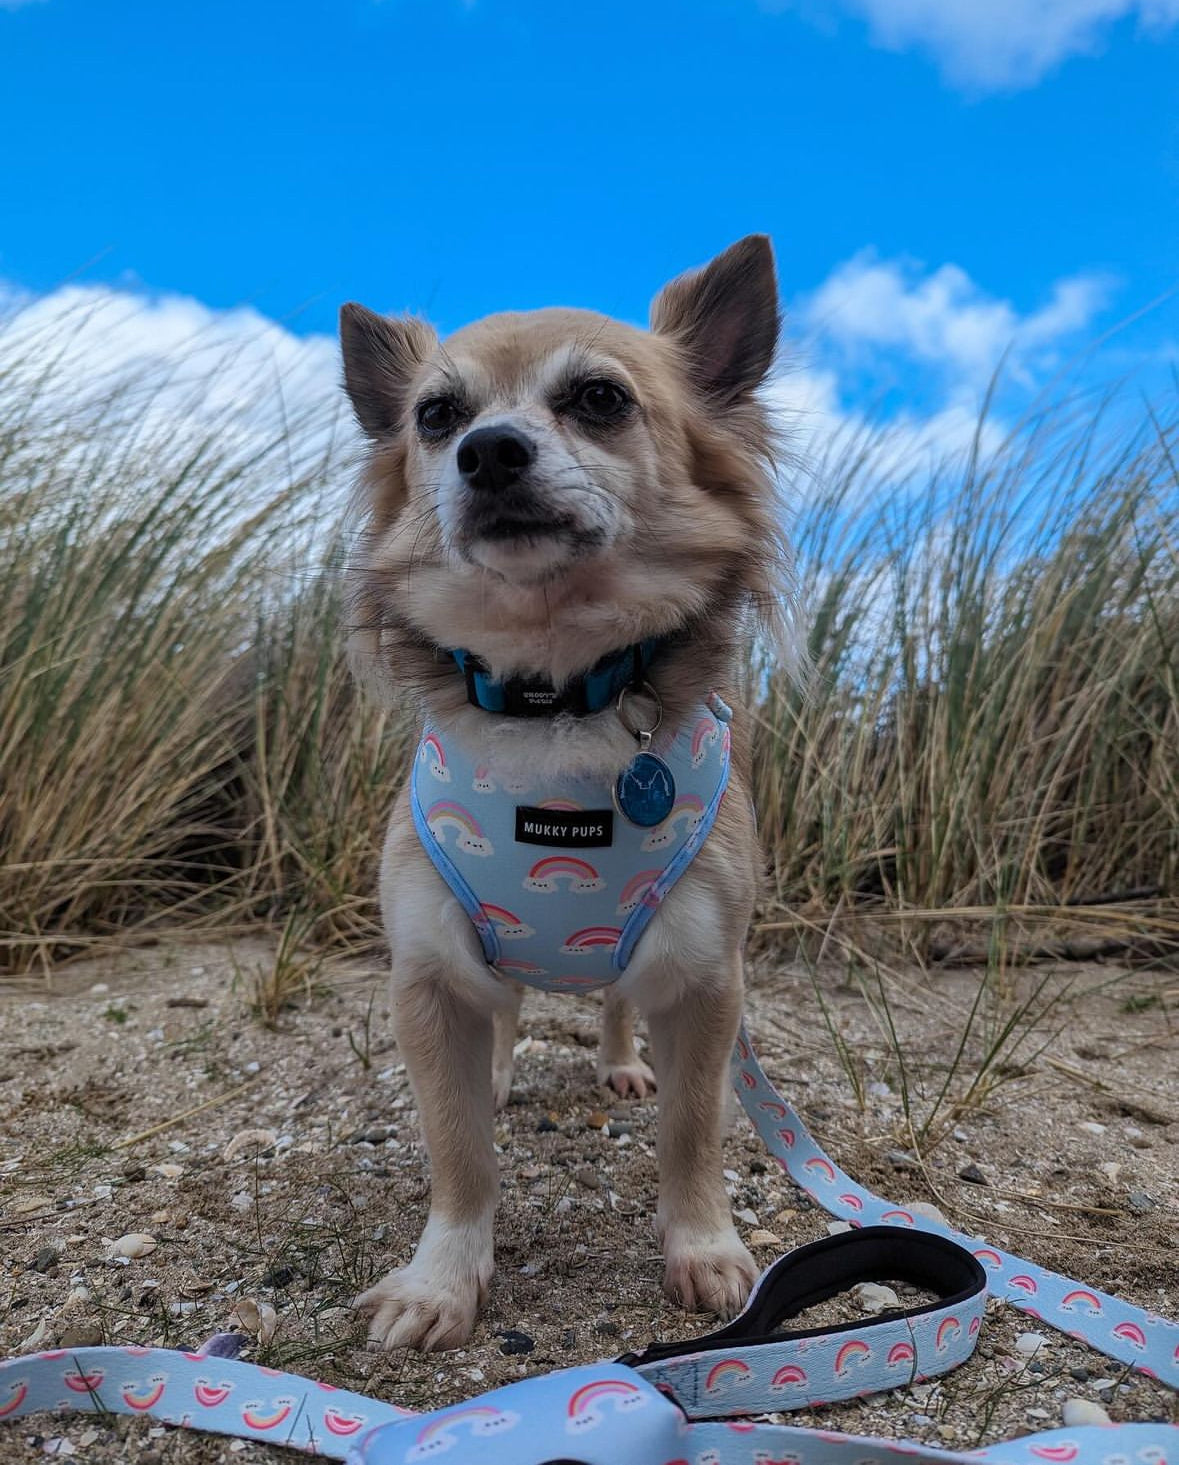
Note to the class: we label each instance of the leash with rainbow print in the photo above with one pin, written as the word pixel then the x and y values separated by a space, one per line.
pixel 681 1402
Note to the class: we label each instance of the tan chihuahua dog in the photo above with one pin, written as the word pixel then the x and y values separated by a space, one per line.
pixel 572 532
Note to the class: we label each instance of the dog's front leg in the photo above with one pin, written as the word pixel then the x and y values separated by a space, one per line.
pixel 706 1265
pixel 445 1039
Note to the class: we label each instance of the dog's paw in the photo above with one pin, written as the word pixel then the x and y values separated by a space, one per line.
pixel 409 1308
pixel 632 1078
pixel 501 1085
pixel 708 1272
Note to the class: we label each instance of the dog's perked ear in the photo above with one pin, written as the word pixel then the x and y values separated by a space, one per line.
pixel 381 353
pixel 725 318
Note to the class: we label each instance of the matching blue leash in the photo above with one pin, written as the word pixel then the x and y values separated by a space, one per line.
pixel 677 1402
pixel 1147 1342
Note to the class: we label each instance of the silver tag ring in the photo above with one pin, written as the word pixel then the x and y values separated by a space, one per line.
pixel 643 736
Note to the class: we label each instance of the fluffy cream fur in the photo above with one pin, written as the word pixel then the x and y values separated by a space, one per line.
pixel 657 520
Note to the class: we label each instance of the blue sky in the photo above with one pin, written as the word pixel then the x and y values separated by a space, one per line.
pixel 940 177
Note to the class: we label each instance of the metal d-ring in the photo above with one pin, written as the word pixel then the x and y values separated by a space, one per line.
pixel 644 736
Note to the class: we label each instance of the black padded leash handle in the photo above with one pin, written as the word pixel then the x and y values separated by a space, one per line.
pixel 827 1267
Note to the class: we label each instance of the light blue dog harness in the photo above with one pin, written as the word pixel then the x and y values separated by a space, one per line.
pixel 558 882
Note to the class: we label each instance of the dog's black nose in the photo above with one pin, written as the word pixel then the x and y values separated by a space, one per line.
pixel 495 457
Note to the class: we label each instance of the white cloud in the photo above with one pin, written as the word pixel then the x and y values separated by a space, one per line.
pixel 827 432
pixel 103 337
pixel 183 374
pixel 993 44
pixel 870 308
pixel 878 332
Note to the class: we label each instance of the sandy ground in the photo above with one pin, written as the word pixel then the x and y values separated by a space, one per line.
pixel 1081 1177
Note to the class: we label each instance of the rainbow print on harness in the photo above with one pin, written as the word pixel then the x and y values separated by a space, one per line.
pixel 557 882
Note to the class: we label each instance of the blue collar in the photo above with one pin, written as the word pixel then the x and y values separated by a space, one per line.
pixel 533 698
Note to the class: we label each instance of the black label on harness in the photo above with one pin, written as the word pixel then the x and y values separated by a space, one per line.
pixel 541 826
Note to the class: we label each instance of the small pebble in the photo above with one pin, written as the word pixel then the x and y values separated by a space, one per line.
pixel 902 1162
pixel 927 1211
pixel 278 1277
pixel 597 1120
pixel 1079 1374
pixel 1038 1413
pixel 1096 1128
pixel 224 1344
pixel 1140 1201
pixel 44 1260
pixel 374 1135
pixel 248 1315
pixel 87 1334
pixel 36 1339
pixel 1028 1343
pixel 546 1124
pixel 606 1327
pixel 131 1246
pixel 1080 1413
pixel 568 1339
pixel 29 1204
pixel 972 1173
pixel 876 1298
pixel 587 1177
pixel 515 1343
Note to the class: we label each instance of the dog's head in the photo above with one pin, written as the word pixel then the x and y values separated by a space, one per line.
pixel 545 487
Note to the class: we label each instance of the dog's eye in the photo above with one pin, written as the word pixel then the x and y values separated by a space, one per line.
pixel 438 416
pixel 601 400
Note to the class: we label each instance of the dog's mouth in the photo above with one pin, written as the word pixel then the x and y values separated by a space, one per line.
pixel 523 528
pixel 519 523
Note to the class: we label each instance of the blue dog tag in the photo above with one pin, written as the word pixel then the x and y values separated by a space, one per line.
pixel 645 791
